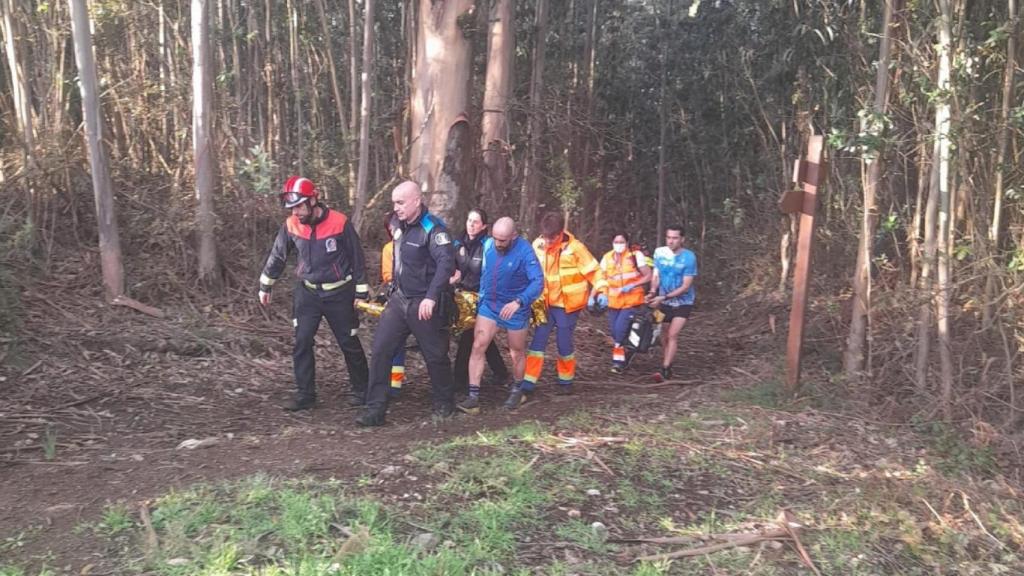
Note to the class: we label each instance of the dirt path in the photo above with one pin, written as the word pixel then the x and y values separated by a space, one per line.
pixel 97 414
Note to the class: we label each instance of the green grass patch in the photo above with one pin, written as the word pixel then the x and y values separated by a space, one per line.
pixel 523 500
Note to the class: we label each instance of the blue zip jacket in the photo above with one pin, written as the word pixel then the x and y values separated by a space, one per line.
pixel 513 275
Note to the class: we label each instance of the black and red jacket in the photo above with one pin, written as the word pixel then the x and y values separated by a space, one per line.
pixel 328 251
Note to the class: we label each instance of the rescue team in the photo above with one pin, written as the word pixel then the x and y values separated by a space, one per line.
pixel 420 267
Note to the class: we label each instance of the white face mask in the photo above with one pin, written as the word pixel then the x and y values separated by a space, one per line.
pixel 619 248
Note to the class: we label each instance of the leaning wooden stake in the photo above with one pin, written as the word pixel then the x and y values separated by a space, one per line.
pixel 809 173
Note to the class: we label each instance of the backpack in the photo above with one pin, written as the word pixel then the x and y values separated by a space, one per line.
pixel 642 332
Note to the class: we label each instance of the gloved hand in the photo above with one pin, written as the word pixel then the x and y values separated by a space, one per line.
pixel 590 301
pixel 382 293
pixel 363 294
pixel 602 301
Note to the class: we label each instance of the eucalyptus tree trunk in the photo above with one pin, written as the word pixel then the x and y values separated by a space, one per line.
pixel 202 143
pixel 1002 140
pixel 531 175
pixel 663 123
pixel 362 178
pixel 937 227
pixel 20 85
pixel 857 340
pixel 439 100
pixel 111 264
pixel 494 140
pixel 339 101
pixel 297 88
pixel 943 232
pixel 351 144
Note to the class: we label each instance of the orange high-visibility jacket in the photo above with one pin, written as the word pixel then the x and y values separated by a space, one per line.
pixel 387 261
pixel 618 272
pixel 568 268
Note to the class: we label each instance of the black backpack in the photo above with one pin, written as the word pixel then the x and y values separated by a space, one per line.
pixel 641 332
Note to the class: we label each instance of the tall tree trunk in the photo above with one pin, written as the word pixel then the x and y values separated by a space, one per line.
pixel 494 140
pixel 202 143
pixel 339 101
pixel 106 217
pixel 663 122
pixel 941 183
pixel 584 147
pixel 20 85
pixel 362 179
pixel 351 144
pixel 439 100
pixel 857 339
pixel 297 90
pixel 1002 140
pixel 531 176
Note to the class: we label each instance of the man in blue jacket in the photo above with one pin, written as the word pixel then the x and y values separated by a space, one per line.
pixel 510 280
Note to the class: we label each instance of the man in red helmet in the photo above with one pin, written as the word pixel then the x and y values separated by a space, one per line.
pixel 331 275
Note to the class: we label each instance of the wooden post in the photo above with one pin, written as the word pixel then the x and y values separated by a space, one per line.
pixel 808 174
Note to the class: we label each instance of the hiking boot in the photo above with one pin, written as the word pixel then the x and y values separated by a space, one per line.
pixel 470 405
pixel 517 398
pixel 297 404
pixel 371 417
pixel 563 390
pixel 663 374
pixel 357 399
pixel 616 369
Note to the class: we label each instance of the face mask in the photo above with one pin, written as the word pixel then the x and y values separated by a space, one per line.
pixel 619 248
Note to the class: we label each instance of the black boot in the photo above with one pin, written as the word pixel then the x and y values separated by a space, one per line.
pixel 371 417
pixel 357 398
pixel 299 403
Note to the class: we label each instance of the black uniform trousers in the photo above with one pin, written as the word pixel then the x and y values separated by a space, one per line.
pixel 309 306
pixel 399 319
pixel 462 354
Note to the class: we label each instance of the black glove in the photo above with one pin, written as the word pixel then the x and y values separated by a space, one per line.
pixel 382 293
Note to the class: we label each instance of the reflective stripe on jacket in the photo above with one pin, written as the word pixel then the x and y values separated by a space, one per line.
pixel 618 272
pixel 328 252
pixel 568 268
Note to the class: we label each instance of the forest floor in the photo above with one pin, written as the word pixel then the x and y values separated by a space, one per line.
pixel 94 477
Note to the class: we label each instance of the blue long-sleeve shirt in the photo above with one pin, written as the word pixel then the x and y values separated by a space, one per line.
pixel 511 275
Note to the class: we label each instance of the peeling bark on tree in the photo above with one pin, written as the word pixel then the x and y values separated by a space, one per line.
pixel 440 95
pixel 494 139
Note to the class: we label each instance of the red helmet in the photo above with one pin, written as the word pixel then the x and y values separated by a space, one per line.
pixel 297 190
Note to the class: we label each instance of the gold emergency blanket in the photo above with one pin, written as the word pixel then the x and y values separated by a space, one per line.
pixel 465 303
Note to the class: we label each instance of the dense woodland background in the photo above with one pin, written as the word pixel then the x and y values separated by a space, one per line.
pixel 626 114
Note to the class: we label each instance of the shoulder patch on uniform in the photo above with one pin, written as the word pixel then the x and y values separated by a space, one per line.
pixel 442 239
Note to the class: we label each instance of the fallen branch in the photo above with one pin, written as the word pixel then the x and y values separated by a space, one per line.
pixel 737 541
pixel 123 300
pixel 789 524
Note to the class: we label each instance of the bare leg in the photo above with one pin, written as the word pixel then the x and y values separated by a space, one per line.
pixel 668 341
pixel 484 331
pixel 517 350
